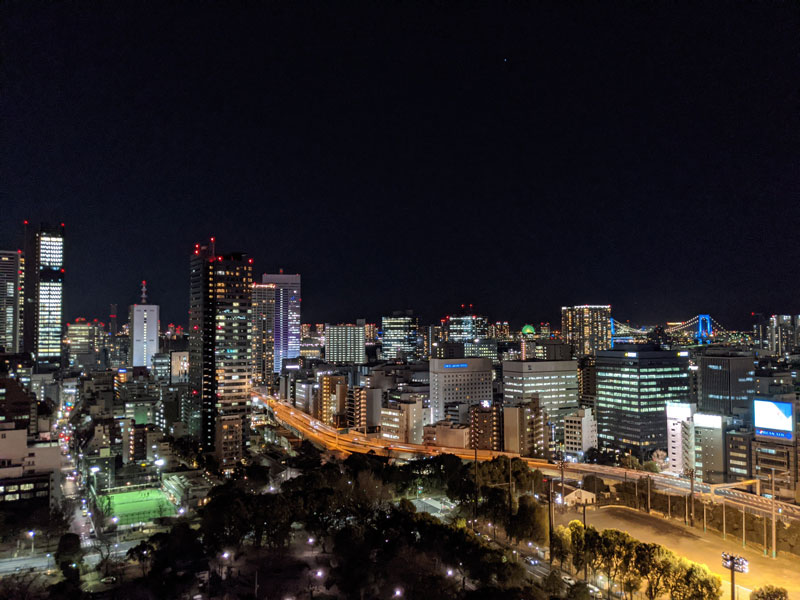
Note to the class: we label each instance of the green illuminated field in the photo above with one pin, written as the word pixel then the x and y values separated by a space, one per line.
pixel 138 506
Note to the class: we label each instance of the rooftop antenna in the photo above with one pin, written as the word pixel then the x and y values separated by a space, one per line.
pixel 144 292
pixel 213 246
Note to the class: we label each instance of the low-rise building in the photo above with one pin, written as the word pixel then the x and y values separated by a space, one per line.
pixel 447 434
pixel 580 432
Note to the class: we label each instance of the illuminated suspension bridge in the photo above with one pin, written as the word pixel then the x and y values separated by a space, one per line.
pixel 704 329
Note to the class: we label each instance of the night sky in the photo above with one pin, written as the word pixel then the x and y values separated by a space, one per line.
pixel 403 155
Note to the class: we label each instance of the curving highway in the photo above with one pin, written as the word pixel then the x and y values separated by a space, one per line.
pixel 349 442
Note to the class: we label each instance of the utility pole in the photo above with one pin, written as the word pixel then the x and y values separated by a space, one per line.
pixel 636 493
pixel 561 466
pixel 550 503
pixel 724 532
pixel 648 494
pixel 477 487
pixel 774 545
pixel 669 505
pixel 744 526
pixel 704 517
pixel 510 498
pixel 764 522
pixel 692 496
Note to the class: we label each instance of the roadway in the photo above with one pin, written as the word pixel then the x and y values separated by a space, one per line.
pixel 351 441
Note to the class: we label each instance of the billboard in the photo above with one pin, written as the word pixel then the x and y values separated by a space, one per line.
pixel 773 419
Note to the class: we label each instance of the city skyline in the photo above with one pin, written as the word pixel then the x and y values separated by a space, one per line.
pixel 518 159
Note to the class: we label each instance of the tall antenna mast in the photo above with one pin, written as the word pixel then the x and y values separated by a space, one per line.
pixel 144 292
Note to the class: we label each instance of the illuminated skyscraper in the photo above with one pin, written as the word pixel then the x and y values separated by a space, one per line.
pixel 44 294
pixel 11 279
pixel 465 326
pixel 220 346
pixel 286 332
pixel 144 326
pixel 263 332
pixel 345 344
pixel 586 328
pixel 400 335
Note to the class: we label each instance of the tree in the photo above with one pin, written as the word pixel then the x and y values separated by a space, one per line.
pixel 579 591
pixel 69 555
pixel 576 531
pixel 617 552
pixel 530 521
pixel 552 584
pixel 104 547
pixel 142 553
pixel 653 562
pixel 560 545
pixel 594 484
pixel 22 586
pixel 769 592
pixel 651 466
pixel 593 549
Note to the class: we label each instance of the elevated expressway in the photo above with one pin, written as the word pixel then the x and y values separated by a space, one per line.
pixel 352 441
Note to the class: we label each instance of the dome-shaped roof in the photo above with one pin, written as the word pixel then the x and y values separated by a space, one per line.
pixel 528 330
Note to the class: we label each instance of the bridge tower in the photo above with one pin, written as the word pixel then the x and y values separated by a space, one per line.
pixel 704 329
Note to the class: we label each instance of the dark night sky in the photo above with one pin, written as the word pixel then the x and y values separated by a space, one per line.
pixel 413 155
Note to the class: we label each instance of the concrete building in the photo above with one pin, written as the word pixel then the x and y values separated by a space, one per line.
pixel 739 455
pixel 704 447
pixel 402 422
pixel 553 382
pixel 364 408
pixel 329 397
pixel 635 382
pixel 446 434
pixel 586 328
pixel 345 344
pixel 525 430
pixel 580 433
pixel 30 473
pixel 545 349
pixel 263 315
pixel 677 414
pixel 465 326
pixel 466 381
pixel 486 426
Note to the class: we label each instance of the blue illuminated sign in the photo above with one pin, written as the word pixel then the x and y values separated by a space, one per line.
pixel 456 366
pixel 783 435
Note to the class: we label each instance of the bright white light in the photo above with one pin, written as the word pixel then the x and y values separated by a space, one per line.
pixel 225 555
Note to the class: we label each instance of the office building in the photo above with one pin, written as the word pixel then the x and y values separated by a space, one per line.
pixel 587 381
pixel 677 414
pixel 30 472
pixel 553 382
pixel 219 348
pixel 263 300
pixel 11 300
pixel 144 330
pixel 635 382
pixel 545 349
pixel 580 433
pixel 739 454
pixel 401 422
pixel 587 329
pixel 345 344
pixel 286 330
pixel 486 427
pixel 44 295
pixel 525 430
pixel 399 336
pixel 704 447
pixel 464 381
pixel 87 344
pixel 726 382
pixel 465 326
pixel 363 408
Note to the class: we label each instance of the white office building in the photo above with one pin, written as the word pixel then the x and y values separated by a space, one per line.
pixel 677 414
pixel 466 381
pixel 144 334
pixel 553 382
pixel 580 432
pixel 285 298
pixel 402 422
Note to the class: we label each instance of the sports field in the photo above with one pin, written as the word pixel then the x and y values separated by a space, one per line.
pixel 138 506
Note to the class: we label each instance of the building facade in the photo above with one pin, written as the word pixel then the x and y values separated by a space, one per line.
pixel 286 332
pixel 345 344
pixel 220 347
pixel 400 335
pixel 11 300
pixel 586 328
pixel 635 382
pixel 462 381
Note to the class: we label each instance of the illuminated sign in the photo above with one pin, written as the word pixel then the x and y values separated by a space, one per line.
pixel 631 354
pixel 456 366
pixel 773 419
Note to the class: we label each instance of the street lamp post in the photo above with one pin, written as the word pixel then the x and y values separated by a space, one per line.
pixel 736 564
pixel 32 535
pixel 774 545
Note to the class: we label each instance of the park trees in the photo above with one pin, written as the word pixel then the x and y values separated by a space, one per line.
pixel 560 545
pixel 616 549
pixel 69 556
pixel 530 521
pixel 142 553
pixel 769 592
pixel 653 562
pixel 577 543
